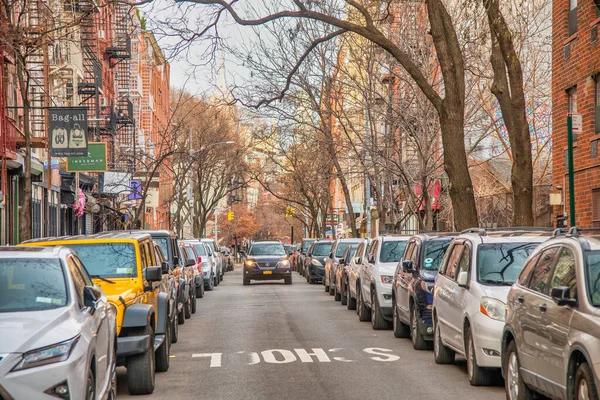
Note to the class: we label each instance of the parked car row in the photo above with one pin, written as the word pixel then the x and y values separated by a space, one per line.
pixel 518 301
pixel 80 306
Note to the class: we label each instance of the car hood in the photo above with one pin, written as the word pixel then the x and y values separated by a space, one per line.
pixel 264 259
pixel 428 275
pixel 387 268
pixel 25 331
pixel 497 292
pixel 320 259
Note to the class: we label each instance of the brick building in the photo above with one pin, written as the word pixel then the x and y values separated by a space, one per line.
pixel 576 89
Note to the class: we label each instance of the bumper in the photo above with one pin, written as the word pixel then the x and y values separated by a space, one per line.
pixel 34 382
pixel 487 337
pixel 275 274
pixel 131 345
pixel 384 297
pixel 316 273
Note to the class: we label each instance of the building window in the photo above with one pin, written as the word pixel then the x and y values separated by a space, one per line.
pixel 596 205
pixel 572 100
pixel 597 8
pixel 594 149
pixel 572 17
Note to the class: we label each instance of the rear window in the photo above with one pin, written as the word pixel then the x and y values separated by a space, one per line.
pixel 200 249
pixel 107 260
pixel 164 246
pixel 31 285
pixel 501 263
pixel 392 251
pixel 321 249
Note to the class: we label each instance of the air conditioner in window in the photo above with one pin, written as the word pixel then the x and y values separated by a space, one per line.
pixel 101 34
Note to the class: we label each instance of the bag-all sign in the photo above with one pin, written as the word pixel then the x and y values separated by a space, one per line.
pixel 94 162
pixel 68 128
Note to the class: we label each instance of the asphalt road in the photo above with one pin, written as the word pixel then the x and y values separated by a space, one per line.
pixel 275 341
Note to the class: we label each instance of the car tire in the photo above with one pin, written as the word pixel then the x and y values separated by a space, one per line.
pixel 211 285
pixel 584 387
pixel 343 296
pixel 377 321
pixel 90 386
pixel 337 296
pixel 401 330
pixel 364 312
pixel 288 280
pixel 163 353
pixel 141 367
pixel 477 376
pixel 187 308
pixel 416 337
pixel 325 284
pixel 246 281
pixel 515 387
pixel 194 302
pixel 181 316
pixel 174 331
pixel 350 301
pixel 441 353
pixel 331 287
pixel 200 291
pixel 112 391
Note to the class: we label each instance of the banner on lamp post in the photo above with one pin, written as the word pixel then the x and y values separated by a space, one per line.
pixel 68 131
pixel 95 161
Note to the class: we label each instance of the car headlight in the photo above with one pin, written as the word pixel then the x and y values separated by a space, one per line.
pixel 316 263
pixel 387 278
pixel 493 308
pixel 284 263
pixel 47 355
pixel 427 286
pixel 249 263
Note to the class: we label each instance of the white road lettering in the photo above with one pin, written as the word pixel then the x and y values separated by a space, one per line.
pixel 269 356
pixel 381 352
pixel 306 357
pixel 215 358
pixel 342 359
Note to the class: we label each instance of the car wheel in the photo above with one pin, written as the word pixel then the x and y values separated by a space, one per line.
pixel 364 312
pixel 418 342
pixel 401 330
pixel 331 287
pixel 377 320
pixel 211 285
pixel 585 387
pixel 516 388
pixel 442 354
pixel 477 376
pixel 288 280
pixel 112 394
pixel 181 316
pixel 90 386
pixel 163 353
pixel 350 301
pixel 194 301
pixel 187 307
pixel 325 284
pixel 174 331
pixel 336 295
pixel 200 291
pixel 140 367
pixel 246 281
pixel 343 296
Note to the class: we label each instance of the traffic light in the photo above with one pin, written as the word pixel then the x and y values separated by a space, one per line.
pixel 290 211
pixel 230 216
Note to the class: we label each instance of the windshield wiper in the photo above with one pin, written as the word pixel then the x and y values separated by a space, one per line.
pixel 498 283
pixel 103 279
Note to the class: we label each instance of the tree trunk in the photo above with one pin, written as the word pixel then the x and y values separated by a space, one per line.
pixel 25 210
pixel 347 197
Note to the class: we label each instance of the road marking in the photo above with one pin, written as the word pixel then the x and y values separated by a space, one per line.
pixel 306 357
pixel 215 358
pixel 381 352
pixel 269 356
pixel 342 359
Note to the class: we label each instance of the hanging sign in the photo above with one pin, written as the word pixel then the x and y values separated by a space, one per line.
pixel 68 131
pixel 95 160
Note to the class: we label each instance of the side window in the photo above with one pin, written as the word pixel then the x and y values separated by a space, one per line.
pixel 564 272
pixel 374 249
pixel 86 276
pixel 524 276
pixel 77 280
pixel 415 254
pixel 465 260
pixel 408 251
pixel 451 266
pixel 150 254
pixel 541 273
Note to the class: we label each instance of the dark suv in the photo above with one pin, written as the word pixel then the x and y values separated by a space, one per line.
pixel 314 262
pixel 304 246
pixel 267 261
pixel 412 293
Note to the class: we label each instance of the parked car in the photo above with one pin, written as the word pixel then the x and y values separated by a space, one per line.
pixel 332 262
pixel 208 269
pixel 304 246
pixel 551 337
pixel 193 279
pixel 353 270
pixel 374 297
pixel 58 329
pixel 227 258
pixel 214 249
pixel 341 280
pixel 470 296
pixel 169 284
pixel 314 261
pixel 294 258
pixel 124 266
pixel 412 293
pixel 266 260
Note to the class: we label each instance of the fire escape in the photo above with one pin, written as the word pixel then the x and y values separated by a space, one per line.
pixel 123 146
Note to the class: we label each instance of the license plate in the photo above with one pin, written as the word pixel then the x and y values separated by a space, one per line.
pixel 267 272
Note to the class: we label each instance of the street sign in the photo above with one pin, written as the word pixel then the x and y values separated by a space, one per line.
pixel 577 123
pixel 135 189
pixel 68 131
pixel 94 162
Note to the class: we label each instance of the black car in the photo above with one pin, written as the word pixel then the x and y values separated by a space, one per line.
pixel 267 261
pixel 314 262
pixel 304 246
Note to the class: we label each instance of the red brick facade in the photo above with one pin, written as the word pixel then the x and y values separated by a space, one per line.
pixel 576 65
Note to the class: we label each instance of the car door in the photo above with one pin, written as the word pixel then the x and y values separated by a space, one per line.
pixel 403 280
pixel 532 299
pixel 367 271
pixel 353 268
pixel 445 288
pixel 458 299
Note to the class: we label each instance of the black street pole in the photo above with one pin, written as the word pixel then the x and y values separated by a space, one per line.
pixel 292 237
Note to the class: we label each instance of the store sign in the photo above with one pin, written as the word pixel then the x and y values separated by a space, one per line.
pixel 135 187
pixel 68 131
pixel 94 162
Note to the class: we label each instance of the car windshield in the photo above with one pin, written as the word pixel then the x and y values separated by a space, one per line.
pixel 322 249
pixel 31 285
pixel 351 253
pixel 392 251
pixel 501 263
pixel 289 248
pixel 592 271
pixel 200 249
pixel 306 244
pixel 434 253
pixel 107 260
pixel 341 248
pixel 162 242
pixel 266 249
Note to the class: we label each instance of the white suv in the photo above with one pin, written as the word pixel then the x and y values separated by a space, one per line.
pixel 377 268
pixel 470 295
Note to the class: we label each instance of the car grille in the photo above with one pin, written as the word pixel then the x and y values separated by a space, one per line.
pixel 426 313
pixel 267 265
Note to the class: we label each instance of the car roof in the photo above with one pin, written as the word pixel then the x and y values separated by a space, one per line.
pixel 507 235
pixel 394 238
pixel 32 252
pixel 435 236
pixel 151 232
pixel 353 240
pixel 126 235
pixel 266 242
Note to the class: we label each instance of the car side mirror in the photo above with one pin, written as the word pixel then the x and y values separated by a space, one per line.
pixel 342 262
pixel 153 274
pixel 309 255
pixel 408 266
pixel 371 259
pixel 331 255
pixel 358 260
pixel 91 295
pixel 190 262
pixel 463 279
pixel 291 253
pixel 165 267
pixel 562 296
pixel 242 252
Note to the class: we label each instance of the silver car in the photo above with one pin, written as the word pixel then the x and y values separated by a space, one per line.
pixel 57 328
